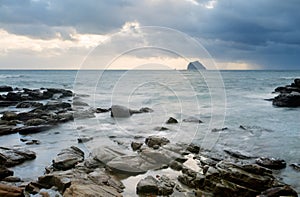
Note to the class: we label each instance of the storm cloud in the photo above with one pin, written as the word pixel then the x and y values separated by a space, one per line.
pixel 262 33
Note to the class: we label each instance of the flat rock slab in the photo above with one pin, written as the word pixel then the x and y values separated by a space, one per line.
pixel 14 156
pixel 68 158
pixel 10 191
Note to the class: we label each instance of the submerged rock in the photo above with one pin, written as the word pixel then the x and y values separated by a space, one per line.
pixel 119 111
pixel 271 163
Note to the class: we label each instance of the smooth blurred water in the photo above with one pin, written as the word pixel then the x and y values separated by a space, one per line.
pixel 272 131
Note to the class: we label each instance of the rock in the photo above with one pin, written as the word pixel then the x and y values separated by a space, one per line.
pixel 161 128
pixel 35 122
pixel 192 119
pixel 295 166
pixel 287 100
pixel 84 139
pixel 12 96
pixel 193 148
pixel 12 179
pixel 237 154
pixel 61 181
pixel 165 186
pixel 9 116
pixel 6 88
pixel 156 140
pixel 89 113
pixel 175 165
pixel 7 129
pixel 102 110
pixel 148 185
pixel 118 111
pixel 136 145
pixel 271 163
pixel 15 156
pixel 10 191
pixel 146 110
pixel 196 65
pixel 171 120
pixel 55 105
pixel 217 130
pixel 33 142
pixel 4 172
pixel 25 130
pixel 7 103
pixel 28 104
pixel 279 191
pixel 297 82
pixel 79 103
pixel 68 158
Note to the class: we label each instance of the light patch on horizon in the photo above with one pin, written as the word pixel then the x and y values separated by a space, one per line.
pixel 237 66
pixel 10 43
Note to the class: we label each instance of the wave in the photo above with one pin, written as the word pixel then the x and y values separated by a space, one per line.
pixel 10 76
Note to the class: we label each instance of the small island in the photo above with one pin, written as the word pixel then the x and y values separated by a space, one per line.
pixel 196 65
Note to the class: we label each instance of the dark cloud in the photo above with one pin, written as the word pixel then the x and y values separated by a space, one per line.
pixel 259 32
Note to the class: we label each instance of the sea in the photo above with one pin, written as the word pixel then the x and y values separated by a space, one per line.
pixel 221 99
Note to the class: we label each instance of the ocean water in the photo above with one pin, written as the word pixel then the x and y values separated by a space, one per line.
pixel 220 99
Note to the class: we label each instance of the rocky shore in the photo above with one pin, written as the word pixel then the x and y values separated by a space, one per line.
pixel 289 95
pixel 165 168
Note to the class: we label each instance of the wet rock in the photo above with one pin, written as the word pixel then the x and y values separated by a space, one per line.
pixel 55 105
pixel 6 88
pixel 165 186
pixel 146 110
pixel 156 140
pixel 238 154
pixel 25 130
pixel 4 172
pixel 7 103
pixel 9 116
pixel 7 129
pixel 31 142
pixel 102 110
pixel 218 130
pixel 15 156
pixel 79 103
pixel 279 191
pixel 171 120
pixel 68 158
pixel 271 163
pixel 35 122
pixel 192 119
pixel 161 128
pixel 148 185
pixel 287 100
pixel 136 145
pixel 10 191
pixel 28 104
pixel 193 148
pixel 89 113
pixel 12 179
pixel 175 165
pixel 84 139
pixel 119 111
pixel 295 166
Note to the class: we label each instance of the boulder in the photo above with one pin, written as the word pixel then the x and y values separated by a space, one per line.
pixel 10 191
pixel 35 122
pixel 68 158
pixel 156 140
pixel 148 185
pixel 136 145
pixel 6 88
pixel 279 191
pixel 271 163
pixel 118 111
pixel 171 120
pixel 9 116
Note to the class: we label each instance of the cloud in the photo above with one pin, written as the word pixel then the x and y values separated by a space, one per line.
pixel 264 33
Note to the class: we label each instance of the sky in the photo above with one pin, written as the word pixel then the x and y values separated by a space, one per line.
pixel 70 34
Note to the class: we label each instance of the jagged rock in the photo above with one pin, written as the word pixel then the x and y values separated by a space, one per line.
pixel 10 191
pixel 161 128
pixel 171 120
pixel 68 158
pixel 193 148
pixel 271 163
pixel 289 95
pixel 136 145
pixel 15 156
pixel 156 140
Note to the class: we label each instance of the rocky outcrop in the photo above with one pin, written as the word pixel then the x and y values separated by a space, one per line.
pixel 14 156
pixel 289 96
pixel 68 158
pixel 271 163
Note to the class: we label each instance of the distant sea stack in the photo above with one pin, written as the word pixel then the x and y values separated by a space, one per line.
pixel 196 65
